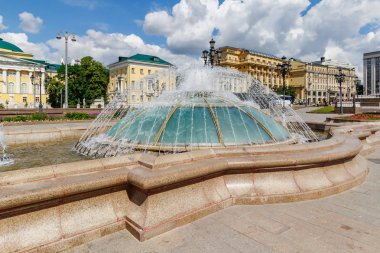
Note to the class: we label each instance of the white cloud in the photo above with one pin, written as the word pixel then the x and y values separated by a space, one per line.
pixel 330 28
pixel 2 26
pixel 39 50
pixel 104 47
pixel 30 23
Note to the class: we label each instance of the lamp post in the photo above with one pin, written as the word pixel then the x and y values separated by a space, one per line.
pixel 60 92
pixel 40 105
pixel 308 88
pixel 340 79
pixel 213 56
pixel 67 36
pixel 34 90
pixel 283 69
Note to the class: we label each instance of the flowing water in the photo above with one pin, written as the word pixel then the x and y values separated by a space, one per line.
pixel 236 110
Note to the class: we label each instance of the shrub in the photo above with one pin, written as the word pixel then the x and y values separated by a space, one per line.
pixel 39 116
pixel 77 115
pixel 15 119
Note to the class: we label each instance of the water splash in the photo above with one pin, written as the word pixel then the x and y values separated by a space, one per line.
pixel 210 107
pixel 5 159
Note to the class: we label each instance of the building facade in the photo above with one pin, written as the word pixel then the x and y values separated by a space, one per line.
pixel 371 73
pixel 140 78
pixel 260 66
pixel 16 69
pixel 312 81
pixel 316 82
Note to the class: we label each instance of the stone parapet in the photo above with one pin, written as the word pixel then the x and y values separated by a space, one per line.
pixel 57 207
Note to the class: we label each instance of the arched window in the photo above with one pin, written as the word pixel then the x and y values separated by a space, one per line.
pixel 10 87
pixel 23 88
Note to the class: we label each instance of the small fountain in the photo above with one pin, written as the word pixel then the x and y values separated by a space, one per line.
pixel 6 158
pixel 212 107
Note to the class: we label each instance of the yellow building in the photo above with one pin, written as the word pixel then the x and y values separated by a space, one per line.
pixel 16 69
pixel 260 66
pixel 140 78
pixel 315 82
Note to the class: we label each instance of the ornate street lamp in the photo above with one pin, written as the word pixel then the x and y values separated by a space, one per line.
pixel 40 105
pixel 284 70
pixel 357 83
pixel 32 78
pixel 340 79
pixel 66 35
pixel 213 56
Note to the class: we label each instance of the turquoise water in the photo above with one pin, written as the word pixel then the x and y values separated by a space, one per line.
pixel 26 156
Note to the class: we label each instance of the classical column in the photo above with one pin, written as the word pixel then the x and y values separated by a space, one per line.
pixel 17 90
pixel 5 81
pixel 43 84
pixel 30 89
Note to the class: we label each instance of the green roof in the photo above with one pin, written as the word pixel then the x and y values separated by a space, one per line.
pixel 45 63
pixel 145 58
pixel 9 46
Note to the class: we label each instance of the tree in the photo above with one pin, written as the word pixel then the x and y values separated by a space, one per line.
pixel 290 91
pixel 359 88
pixel 87 80
pixel 54 88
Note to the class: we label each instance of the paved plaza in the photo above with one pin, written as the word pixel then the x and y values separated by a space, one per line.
pixel 314 117
pixel 347 222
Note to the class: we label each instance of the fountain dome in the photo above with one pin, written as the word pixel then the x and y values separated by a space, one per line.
pixel 211 107
pixel 197 120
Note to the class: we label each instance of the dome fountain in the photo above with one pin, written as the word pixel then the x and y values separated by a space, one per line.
pixel 212 107
pixel 221 139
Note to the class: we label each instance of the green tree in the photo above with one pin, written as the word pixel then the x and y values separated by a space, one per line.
pixel 290 91
pixel 87 80
pixel 359 88
pixel 54 87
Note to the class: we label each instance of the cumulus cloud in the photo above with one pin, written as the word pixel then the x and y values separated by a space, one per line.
pixel 39 50
pixel 331 28
pixel 30 23
pixel 2 26
pixel 104 47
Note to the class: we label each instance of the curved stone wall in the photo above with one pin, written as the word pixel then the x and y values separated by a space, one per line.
pixel 57 207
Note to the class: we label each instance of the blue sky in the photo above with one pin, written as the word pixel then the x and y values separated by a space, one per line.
pixel 79 15
pixel 178 30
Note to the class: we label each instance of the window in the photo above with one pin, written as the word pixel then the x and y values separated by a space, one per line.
pixel 133 70
pixel 149 71
pixel 23 88
pixel 133 85
pixel 36 89
pixel 24 99
pixel 150 84
pixel 37 99
pixel 10 87
pixel 141 85
pixel 141 72
pixel 133 98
